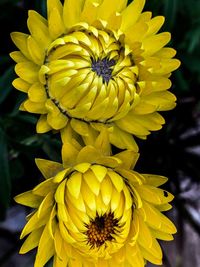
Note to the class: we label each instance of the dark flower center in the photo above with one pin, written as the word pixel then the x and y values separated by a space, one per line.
pixel 103 68
pixel 101 229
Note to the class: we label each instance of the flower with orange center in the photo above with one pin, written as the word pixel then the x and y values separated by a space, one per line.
pixel 93 210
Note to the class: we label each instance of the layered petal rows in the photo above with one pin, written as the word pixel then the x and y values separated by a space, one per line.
pixel 98 72
pixel 94 65
pixel 97 212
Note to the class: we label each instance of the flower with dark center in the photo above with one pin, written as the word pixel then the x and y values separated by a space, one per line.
pixel 94 65
pixel 93 210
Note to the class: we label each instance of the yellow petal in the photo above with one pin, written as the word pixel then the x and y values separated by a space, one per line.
pixel 69 154
pixel 154 195
pixel 45 187
pixel 115 200
pixel 37 93
pixel 150 257
pixel 62 212
pixel 47 202
pixel 82 167
pixel 129 125
pixel 77 203
pixel 106 190
pixel 99 171
pixel 48 168
pixel 45 249
pixel 89 12
pixel 31 241
pixel 122 139
pixel 133 176
pixel 65 234
pixel 128 158
pixel 56 26
pixel 166 52
pixel 88 197
pixel 151 122
pixel 21 85
pixel 114 21
pixel 155 180
pixel 111 162
pixel 71 12
pixel 20 40
pixel 133 254
pixel 116 180
pixel 162 100
pixel 164 207
pixel 102 142
pixel 136 33
pixel 51 4
pixel 144 108
pixel 157 220
pixel 42 125
pixel 154 43
pixel 37 54
pixel 88 154
pixel 167 66
pixel 28 199
pixel 131 14
pixel 74 184
pixel 17 56
pixel 144 236
pixel 80 127
pixel 128 199
pixel 35 223
pixel 154 25
pixel 107 8
pixel 162 236
pixel 27 71
pixel 58 241
pixel 38 28
pixel 60 193
pixel 92 182
pixel 57 122
pixel 58 178
pixel 33 107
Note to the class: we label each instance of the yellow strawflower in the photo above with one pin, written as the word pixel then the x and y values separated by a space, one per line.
pixel 96 64
pixel 94 211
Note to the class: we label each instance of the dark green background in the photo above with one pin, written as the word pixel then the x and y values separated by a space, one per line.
pixel 168 152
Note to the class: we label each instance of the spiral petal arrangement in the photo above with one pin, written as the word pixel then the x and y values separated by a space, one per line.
pixel 94 65
pixel 96 211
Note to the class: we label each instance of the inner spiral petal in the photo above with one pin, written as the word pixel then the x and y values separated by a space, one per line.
pixel 90 76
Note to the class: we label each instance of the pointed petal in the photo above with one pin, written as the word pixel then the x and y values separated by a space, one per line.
pixel 48 168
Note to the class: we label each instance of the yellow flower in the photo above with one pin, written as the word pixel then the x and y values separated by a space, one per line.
pixel 94 211
pixel 95 64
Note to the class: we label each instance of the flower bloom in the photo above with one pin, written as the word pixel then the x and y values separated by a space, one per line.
pixel 93 210
pixel 93 65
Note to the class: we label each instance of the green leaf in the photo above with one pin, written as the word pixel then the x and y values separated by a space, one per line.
pixel 5 184
pixel 170 11
pixel 6 84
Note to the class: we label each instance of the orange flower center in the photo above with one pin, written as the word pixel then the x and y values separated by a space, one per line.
pixel 101 229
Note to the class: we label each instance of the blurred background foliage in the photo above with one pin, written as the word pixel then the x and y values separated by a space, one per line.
pixel 174 151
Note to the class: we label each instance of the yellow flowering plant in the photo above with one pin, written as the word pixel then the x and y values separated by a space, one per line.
pixel 95 64
pixel 97 71
pixel 94 210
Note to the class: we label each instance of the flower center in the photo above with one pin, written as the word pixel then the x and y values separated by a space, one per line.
pixel 90 75
pixel 101 229
pixel 103 68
